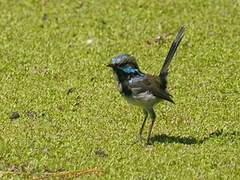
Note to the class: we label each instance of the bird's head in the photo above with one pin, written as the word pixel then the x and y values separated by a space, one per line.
pixel 124 63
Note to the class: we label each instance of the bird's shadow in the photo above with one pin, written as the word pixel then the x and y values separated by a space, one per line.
pixel 189 140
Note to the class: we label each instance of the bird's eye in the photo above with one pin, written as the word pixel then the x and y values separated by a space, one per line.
pixel 122 65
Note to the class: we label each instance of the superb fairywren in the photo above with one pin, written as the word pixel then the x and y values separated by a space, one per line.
pixel 143 89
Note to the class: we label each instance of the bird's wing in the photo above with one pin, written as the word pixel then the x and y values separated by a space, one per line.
pixel 151 84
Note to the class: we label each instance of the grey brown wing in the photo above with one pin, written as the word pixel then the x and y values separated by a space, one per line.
pixel 151 84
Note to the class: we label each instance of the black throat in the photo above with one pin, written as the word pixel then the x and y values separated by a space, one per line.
pixel 124 75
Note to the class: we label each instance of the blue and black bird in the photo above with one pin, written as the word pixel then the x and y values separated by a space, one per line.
pixel 143 89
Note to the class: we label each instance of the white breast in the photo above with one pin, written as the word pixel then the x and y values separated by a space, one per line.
pixel 144 99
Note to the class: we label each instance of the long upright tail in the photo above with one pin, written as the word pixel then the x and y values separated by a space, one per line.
pixel 164 71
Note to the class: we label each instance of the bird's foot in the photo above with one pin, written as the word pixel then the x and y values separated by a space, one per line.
pixel 149 142
pixel 138 139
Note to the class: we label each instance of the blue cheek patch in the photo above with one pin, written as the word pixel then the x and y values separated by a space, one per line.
pixel 129 69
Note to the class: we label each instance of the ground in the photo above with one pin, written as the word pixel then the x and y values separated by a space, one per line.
pixel 60 108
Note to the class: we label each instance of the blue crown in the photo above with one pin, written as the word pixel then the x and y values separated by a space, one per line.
pixel 122 58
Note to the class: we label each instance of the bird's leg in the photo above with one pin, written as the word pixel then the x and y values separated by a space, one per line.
pixel 153 117
pixel 143 124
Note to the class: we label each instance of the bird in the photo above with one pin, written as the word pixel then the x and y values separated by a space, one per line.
pixel 142 89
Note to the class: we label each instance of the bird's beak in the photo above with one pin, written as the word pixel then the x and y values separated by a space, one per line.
pixel 109 65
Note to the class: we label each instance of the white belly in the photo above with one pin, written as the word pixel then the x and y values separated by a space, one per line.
pixel 145 99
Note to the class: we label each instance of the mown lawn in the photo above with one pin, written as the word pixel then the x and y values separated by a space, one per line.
pixel 53 57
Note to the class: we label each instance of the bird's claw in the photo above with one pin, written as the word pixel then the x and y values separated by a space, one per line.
pixel 149 142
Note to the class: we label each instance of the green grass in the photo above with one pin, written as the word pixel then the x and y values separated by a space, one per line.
pixel 44 52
